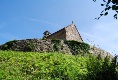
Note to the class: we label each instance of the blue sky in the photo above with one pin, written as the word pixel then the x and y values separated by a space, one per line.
pixel 24 19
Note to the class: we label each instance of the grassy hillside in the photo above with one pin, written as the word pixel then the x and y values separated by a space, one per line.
pixel 51 66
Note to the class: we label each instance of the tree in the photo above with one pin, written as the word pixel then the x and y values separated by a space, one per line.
pixel 102 69
pixel 109 5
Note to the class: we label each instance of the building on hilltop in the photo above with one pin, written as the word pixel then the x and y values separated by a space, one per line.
pixel 67 33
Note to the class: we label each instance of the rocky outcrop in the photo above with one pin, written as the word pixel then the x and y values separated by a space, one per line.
pixel 98 51
pixel 51 45
pixel 36 45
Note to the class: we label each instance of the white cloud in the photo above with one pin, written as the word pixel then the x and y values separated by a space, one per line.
pixel 88 35
pixel 45 22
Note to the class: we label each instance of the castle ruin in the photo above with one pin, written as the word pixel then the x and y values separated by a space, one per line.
pixel 67 33
pixel 48 45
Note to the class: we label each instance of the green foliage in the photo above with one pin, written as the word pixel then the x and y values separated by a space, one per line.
pixel 56 43
pixel 78 47
pixel 101 69
pixel 109 4
pixel 37 66
pixel 9 45
pixel 30 46
pixel 55 66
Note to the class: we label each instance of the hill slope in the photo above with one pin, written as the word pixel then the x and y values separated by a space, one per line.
pixel 53 66
pixel 51 45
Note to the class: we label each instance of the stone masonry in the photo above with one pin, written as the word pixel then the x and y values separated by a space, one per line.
pixel 67 33
pixel 47 45
pixel 96 51
pixel 35 45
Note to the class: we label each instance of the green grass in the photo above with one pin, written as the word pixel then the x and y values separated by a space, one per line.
pixel 36 66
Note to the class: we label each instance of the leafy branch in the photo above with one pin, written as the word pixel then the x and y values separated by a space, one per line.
pixel 109 5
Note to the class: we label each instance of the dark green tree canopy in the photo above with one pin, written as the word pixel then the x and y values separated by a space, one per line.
pixel 109 5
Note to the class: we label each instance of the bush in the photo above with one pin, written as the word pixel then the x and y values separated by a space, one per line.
pixel 29 47
pixel 101 69
pixel 37 66
pixel 56 43
pixel 8 45
pixel 55 66
pixel 78 47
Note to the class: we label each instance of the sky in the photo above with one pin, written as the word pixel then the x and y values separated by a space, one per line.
pixel 27 19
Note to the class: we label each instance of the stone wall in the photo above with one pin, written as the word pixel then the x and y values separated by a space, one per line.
pixel 96 51
pixel 72 33
pixel 61 34
pixel 68 33
pixel 35 45
pixel 48 45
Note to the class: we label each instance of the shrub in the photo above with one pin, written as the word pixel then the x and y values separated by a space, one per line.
pixel 54 66
pixel 8 45
pixel 29 47
pixel 78 47
pixel 56 43
pixel 37 66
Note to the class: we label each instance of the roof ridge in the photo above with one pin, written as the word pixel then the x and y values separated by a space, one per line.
pixel 78 32
pixel 60 29
pixel 56 32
